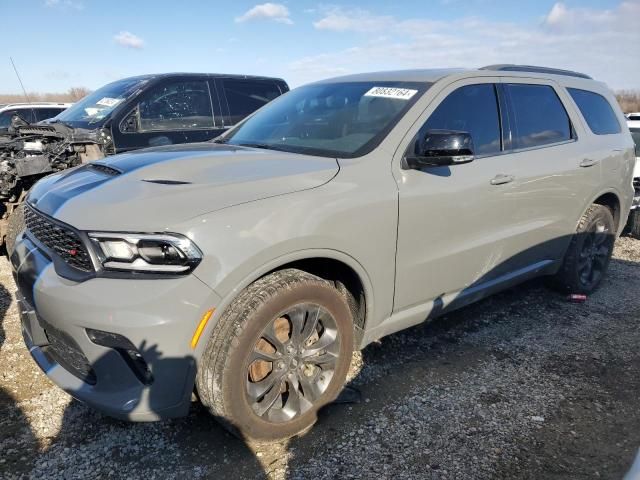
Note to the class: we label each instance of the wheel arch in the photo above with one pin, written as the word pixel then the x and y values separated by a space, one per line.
pixel 332 265
pixel 611 200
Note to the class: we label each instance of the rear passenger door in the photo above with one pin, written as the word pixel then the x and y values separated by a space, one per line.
pixel 242 97
pixel 549 187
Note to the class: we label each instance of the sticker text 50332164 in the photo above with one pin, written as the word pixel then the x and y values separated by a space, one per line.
pixel 391 92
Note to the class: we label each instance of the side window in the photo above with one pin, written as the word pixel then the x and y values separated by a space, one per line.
pixel 5 118
pixel 596 110
pixel 45 113
pixel 24 113
pixel 472 109
pixel 177 106
pixel 246 96
pixel 539 118
pixel 635 133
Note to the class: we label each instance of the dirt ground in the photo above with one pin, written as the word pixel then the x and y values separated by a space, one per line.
pixel 523 385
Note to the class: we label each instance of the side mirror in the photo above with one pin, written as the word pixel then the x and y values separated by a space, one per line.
pixel 439 148
pixel 130 124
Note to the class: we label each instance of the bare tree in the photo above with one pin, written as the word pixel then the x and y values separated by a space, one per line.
pixel 72 95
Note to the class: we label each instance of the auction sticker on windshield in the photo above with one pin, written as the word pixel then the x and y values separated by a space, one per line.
pixel 108 102
pixel 391 92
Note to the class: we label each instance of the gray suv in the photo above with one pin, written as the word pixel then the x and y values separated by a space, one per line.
pixel 249 268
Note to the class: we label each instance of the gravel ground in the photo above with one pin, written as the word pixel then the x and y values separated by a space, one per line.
pixel 522 385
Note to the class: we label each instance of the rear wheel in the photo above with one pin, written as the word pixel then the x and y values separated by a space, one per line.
pixel 587 258
pixel 279 353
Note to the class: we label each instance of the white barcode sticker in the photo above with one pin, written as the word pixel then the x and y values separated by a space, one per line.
pixel 391 92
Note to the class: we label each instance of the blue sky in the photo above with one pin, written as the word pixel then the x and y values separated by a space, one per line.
pixel 58 44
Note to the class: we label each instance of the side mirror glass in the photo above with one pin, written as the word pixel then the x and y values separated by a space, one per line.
pixel 438 148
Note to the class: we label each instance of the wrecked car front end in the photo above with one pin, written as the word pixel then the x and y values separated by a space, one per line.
pixel 28 152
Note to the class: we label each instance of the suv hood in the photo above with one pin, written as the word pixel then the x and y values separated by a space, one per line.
pixel 152 189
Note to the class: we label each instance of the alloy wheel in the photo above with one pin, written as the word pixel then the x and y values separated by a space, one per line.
pixel 292 363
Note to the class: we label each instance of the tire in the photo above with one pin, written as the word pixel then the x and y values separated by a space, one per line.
pixel 587 258
pixel 15 225
pixel 634 223
pixel 235 388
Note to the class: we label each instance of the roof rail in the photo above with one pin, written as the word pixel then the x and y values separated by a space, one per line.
pixel 531 68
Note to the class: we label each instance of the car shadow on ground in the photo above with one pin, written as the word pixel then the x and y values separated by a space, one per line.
pixel 18 442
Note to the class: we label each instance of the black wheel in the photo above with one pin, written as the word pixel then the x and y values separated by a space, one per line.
pixel 15 224
pixel 587 258
pixel 634 223
pixel 279 353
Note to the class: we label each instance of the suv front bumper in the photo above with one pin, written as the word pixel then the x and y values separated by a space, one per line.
pixel 158 318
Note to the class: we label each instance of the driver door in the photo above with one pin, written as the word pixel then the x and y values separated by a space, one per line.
pixel 170 112
pixel 454 220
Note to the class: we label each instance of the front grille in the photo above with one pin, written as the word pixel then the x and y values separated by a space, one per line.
pixel 62 240
pixel 64 350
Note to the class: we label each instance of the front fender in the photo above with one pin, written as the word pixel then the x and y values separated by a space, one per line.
pixel 338 221
pixel 247 273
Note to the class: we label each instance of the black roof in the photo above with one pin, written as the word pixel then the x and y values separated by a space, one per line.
pixel 150 76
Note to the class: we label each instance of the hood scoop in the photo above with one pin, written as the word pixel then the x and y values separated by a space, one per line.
pixel 104 169
pixel 168 182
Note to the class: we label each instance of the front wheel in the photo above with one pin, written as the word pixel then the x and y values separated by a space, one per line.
pixel 587 258
pixel 279 353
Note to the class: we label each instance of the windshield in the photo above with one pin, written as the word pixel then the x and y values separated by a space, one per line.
pixel 93 109
pixel 335 119
pixel 635 133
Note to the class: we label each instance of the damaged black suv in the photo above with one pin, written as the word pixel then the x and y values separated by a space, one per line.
pixel 132 113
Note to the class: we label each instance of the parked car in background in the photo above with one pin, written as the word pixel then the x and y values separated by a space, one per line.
pixel 132 113
pixel 250 267
pixel 633 116
pixel 634 216
pixel 29 112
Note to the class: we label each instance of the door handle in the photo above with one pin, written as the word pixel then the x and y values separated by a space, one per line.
pixel 587 162
pixel 501 179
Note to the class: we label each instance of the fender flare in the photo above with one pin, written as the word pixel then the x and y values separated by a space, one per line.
pixel 275 264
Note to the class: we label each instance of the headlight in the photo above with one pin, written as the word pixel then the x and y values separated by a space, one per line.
pixel 150 253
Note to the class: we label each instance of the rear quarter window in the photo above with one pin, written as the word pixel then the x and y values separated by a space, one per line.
pixel 597 111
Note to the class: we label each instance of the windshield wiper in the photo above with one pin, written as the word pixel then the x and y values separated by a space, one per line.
pixel 265 146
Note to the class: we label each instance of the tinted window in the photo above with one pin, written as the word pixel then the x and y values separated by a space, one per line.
pixel 45 113
pixel 635 133
pixel 245 97
pixel 5 117
pixel 539 118
pixel 473 109
pixel 177 106
pixel 597 111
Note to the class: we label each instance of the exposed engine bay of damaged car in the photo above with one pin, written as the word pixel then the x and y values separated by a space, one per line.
pixel 28 152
